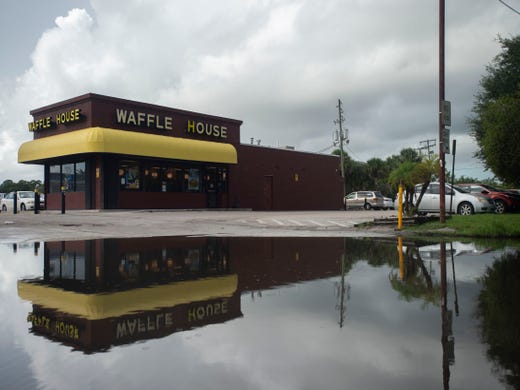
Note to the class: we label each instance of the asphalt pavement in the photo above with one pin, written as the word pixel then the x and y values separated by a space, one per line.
pixel 51 225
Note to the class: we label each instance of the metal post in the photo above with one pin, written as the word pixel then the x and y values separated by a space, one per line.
pixel 63 202
pixel 36 202
pixel 15 202
pixel 454 150
pixel 442 178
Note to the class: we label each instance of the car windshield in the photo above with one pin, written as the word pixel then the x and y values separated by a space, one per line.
pixel 25 194
pixel 460 189
pixel 378 194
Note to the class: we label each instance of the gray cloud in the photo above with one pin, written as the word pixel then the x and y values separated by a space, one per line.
pixel 278 65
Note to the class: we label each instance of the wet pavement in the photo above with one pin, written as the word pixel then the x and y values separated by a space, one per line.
pixel 89 224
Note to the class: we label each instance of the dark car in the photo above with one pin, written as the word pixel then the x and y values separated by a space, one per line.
pixel 504 200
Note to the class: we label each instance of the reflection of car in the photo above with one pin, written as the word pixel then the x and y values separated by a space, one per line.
pixel 365 199
pixel 504 200
pixel 25 201
pixel 463 202
pixel 388 203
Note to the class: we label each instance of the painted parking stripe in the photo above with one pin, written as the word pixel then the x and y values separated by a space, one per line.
pixel 337 223
pixel 295 222
pixel 277 221
pixel 316 223
pixel 260 221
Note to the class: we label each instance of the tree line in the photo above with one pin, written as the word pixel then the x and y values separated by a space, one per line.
pixel 407 168
pixel 22 185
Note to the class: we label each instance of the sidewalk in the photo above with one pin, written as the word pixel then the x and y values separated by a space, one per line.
pixel 89 224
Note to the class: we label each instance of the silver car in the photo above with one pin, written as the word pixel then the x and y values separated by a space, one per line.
pixel 462 202
pixel 365 199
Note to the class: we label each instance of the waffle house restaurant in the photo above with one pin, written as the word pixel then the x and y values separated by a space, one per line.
pixel 109 153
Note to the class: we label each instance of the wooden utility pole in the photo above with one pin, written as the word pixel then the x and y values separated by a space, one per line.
pixel 442 178
pixel 343 138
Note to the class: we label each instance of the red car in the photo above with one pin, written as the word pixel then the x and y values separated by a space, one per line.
pixel 504 200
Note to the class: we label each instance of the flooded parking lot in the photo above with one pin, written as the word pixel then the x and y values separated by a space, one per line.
pixel 259 313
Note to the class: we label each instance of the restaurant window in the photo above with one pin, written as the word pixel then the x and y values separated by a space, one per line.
pixel 192 175
pixel 67 177
pixel 54 178
pixel 129 175
pixel 155 178
pixel 79 175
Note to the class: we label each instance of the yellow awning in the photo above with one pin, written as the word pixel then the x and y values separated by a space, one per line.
pixel 104 140
pixel 116 304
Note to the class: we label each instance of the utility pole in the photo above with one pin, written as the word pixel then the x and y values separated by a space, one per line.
pixel 442 178
pixel 428 145
pixel 342 137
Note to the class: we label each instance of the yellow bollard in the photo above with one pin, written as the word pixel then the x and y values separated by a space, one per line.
pixel 400 208
pixel 401 256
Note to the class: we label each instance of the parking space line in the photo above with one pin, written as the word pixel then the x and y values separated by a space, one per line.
pixel 295 222
pixel 337 223
pixel 277 221
pixel 316 223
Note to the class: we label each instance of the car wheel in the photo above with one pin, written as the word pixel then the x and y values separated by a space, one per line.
pixel 367 206
pixel 4 207
pixel 465 208
pixel 500 206
pixel 22 207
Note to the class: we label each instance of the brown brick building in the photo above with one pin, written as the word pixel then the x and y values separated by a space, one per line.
pixel 109 153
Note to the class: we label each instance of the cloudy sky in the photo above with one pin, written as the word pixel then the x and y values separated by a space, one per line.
pixel 278 65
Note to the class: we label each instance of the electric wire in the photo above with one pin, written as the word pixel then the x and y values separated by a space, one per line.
pixel 508 6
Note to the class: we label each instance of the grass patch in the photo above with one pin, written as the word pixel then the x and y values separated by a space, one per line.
pixel 478 225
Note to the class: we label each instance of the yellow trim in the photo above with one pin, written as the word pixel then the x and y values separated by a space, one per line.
pixel 104 140
pixel 99 306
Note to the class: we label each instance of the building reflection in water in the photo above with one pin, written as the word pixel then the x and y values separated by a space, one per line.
pixel 99 293
pixel 95 294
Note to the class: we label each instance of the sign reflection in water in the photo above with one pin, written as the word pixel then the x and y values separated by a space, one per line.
pixel 395 307
pixel 99 293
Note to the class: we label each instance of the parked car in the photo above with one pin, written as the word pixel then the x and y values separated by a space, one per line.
pixel 388 204
pixel 25 201
pixel 505 200
pixel 463 202
pixel 364 199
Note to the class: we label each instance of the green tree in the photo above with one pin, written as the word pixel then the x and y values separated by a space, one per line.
pixel 499 313
pixel 22 185
pixel 410 173
pixel 495 124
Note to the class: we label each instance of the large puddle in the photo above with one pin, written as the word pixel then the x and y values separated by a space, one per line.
pixel 259 313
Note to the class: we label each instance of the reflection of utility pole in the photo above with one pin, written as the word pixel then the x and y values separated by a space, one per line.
pixel 454 281
pixel 342 137
pixel 342 288
pixel 447 339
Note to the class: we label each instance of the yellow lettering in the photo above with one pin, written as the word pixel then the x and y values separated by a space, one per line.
pixel 192 315
pixel 191 126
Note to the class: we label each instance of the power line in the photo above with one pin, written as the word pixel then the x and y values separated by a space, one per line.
pixel 508 6
pixel 325 149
